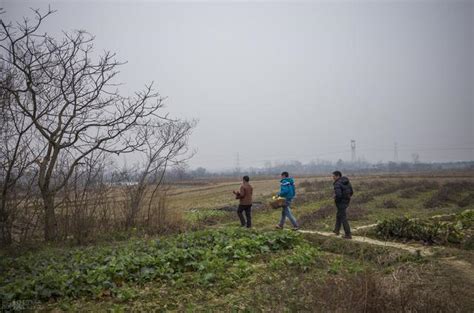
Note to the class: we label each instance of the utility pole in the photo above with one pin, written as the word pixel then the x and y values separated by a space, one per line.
pixel 237 164
pixel 353 150
pixel 395 152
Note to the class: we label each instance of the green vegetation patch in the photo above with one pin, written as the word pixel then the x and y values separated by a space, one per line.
pixel 209 256
pixel 364 252
pixel 457 229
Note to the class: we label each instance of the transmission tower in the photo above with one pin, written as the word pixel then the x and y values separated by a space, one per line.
pixel 353 150
pixel 237 164
pixel 395 152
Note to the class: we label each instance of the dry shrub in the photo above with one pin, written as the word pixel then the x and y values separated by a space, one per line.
pixel 84 215
pixel 96 216
pixel 362 198
pixel 409 188
pixel 466 201
pixel 313 191
pixel 407 289
pixel 372 184
pixel 307 197
pixel 390 204
pixel 322 213
pixel 160 218
pixel 426 185
pixel 354 213
pixel 27 223
pixel 449 192
pixel 315 186
pixel 408 193
pixel 403 291
pixel 256 206
pixel 210 217
pixel 357 213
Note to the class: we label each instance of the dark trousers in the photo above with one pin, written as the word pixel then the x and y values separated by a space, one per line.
pixel 248 216
pixel 341 218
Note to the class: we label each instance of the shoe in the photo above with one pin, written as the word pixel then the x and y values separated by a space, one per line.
pixel 347 237
pixel 279 227
pixel 296 228
pixel 335 233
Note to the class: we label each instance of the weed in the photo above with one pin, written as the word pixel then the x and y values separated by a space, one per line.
pixel 357 213
pixel 323 212
pixel 390 204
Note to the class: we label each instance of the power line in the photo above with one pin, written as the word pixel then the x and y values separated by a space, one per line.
pixel 395 152
pixel 353 150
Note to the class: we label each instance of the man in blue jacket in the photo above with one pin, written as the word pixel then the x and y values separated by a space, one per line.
pixel 287 191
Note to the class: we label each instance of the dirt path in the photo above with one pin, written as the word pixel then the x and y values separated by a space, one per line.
pixel 465 269
pixel 413 248
pixel 365 227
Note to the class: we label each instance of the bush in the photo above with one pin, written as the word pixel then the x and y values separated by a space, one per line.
pixel 429 231
pixel 404 228
pixel 390 204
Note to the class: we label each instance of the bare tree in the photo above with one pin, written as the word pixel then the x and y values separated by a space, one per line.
pixel 84 196
pixel 16 158
pixel 165 143
pixel 72 103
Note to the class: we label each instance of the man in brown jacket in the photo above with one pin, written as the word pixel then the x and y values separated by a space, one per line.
pixel 245 197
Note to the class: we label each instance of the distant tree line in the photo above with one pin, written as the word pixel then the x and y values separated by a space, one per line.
pixel 320 168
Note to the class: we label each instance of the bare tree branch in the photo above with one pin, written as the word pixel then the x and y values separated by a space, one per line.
pixel 71 104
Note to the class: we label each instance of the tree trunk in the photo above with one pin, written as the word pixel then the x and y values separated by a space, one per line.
pixel 50 223
pixel 5 230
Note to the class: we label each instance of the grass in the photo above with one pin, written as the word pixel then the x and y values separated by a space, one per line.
pixel 222 268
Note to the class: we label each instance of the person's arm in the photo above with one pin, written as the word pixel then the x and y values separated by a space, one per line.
pixel 337 192
pixel 242 192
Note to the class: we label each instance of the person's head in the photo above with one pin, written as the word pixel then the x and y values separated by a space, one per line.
pixel 284 175
pixel 336 175
pixel 246 179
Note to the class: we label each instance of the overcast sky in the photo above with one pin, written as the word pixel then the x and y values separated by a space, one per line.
pixel 295 81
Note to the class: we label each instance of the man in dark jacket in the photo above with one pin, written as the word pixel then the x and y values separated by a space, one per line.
pixel 245 203
pixel 342 196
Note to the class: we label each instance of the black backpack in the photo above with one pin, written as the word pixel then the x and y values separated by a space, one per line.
pixel 347 191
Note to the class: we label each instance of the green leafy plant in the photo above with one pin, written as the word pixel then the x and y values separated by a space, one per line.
pixel 428 230
pixel 212 256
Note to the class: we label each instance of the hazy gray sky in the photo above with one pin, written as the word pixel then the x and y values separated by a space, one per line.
pixel 295 81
